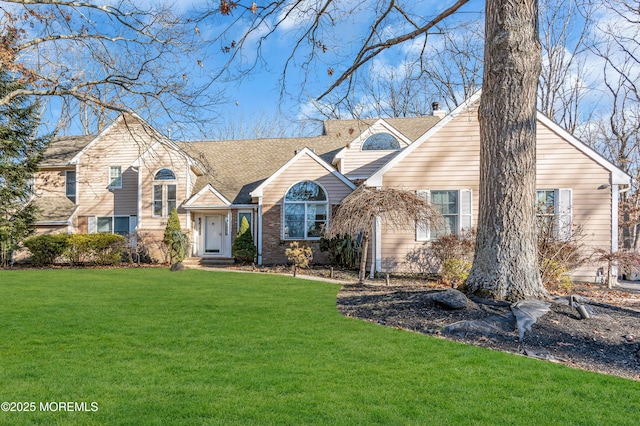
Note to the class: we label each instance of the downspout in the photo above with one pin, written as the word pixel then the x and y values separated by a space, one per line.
pixel 615 230
pixel 139 224
pixel 259 230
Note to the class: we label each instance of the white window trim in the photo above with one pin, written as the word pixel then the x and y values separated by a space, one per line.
pixel 562 211
pixel 284 203
pixel 112 177
pixel 164 199
pixel 93 224
pixel 464 213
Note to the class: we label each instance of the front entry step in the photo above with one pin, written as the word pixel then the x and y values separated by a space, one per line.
pixel 197 262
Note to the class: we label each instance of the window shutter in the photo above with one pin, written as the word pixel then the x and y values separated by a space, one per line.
pixel 92 224
pixel 465 222
pixel 564 213
pixel 422 228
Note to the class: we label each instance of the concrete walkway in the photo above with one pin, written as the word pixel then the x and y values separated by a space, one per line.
pixel 629 285
pixel 300 276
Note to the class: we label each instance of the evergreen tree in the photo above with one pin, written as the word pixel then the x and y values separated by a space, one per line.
pixel 20 151
pixel 175 239
pixel 243 247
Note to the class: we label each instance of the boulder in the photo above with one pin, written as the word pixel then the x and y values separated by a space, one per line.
pixel 451 299
pixel 177 267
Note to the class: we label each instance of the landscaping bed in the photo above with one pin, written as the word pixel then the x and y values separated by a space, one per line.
pixel 608 342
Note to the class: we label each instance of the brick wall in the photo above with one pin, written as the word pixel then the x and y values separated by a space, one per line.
pixel 273 246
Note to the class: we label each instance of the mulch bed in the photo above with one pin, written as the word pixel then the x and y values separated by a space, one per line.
pixel 608 342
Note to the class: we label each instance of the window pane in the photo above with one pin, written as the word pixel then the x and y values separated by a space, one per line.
pixel 104 224
pixel 121 225
pixel 381 142
pixel 242 215
pixel 171 198
pixel 315 229
pixel 165 174
pixel 157 200
pixel 171 192
pixel 294 221
pixel 444 226
pixel 305 191
pixel 316 212
pixel 71 183
pixel 115 177
pixel 446 202
pixel 157 208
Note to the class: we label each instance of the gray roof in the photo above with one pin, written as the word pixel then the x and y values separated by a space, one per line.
pixel 62 150
pixel 54 209
pixel 411 127
pixel 237 167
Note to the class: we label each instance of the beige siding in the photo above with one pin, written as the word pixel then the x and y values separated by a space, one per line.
pixel 450 160
pixel 306 168
pixel 362 164
pixel 51 183
pixel 208 199
pixel 121 146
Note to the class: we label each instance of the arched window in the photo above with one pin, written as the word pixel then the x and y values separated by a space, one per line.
pixel 381 142
pixel 165 174
pixel 164 194
pixel 306 210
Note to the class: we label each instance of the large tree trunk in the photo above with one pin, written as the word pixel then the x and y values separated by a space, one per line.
pixel 505 264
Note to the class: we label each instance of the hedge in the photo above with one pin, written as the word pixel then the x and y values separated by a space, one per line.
pixel 77 249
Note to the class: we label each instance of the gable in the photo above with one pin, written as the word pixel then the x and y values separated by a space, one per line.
pixel 454 143
pixel 305 165
pixel 207 197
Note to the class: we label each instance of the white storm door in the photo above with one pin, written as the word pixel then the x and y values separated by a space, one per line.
pixel 213 227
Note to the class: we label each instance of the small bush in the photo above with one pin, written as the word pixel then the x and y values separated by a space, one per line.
pixel 456 271
pixel 46 249
pixel 299 255
pixel 454 255
pixel 243 247
pixel 343 250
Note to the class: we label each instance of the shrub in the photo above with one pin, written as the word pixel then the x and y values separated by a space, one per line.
pixel 343 250
pixel 557 257
pixel 107 248
pixel 243 247
pixel 45 249
pixel 99 249
pixel 454 255
pixel 456 271
pixel 299 255
pixel 175 239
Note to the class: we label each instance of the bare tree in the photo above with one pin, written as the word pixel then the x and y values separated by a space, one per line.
pixel 396 208
pixel 117 56
pixel 564 30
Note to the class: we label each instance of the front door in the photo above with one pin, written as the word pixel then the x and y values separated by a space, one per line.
pixel 213 227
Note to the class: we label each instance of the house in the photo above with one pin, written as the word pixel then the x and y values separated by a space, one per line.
pixel 128 178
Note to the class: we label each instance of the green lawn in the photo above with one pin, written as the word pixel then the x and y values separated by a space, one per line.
pixel 194 347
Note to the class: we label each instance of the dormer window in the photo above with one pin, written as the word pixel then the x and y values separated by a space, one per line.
pixel 381 142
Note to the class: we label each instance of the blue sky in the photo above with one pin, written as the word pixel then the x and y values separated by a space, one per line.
pixel 258 93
